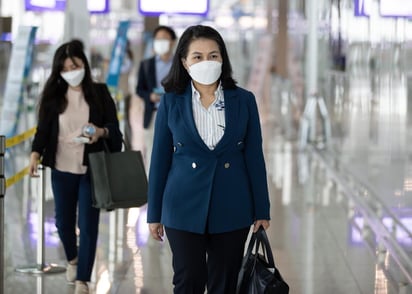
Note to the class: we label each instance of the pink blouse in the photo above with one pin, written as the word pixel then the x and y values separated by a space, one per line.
pixel 69 156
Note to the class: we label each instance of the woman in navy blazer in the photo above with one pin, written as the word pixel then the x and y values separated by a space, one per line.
pixel 207 181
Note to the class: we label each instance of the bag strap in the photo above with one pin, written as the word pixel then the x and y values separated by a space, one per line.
pixel 106 148
pixel 251 245
pixel 263 241
pixel 259 238
pixel 248 253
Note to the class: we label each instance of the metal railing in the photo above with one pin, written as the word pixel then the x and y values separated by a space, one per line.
pixel 2 194
pixel 373 210
pixel 41 267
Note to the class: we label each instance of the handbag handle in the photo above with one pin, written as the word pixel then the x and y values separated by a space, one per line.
pixel 262 240
pixel 107 150
pixel 259 238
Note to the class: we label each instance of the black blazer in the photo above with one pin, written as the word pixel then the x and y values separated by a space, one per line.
pixel 146 82
pixel 46 137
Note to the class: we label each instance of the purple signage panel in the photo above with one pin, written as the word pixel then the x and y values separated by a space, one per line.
pixel 362 7
pixel 156 7
pixel 98 6
pixel 396 8
pixel 45 5
pixel 94 6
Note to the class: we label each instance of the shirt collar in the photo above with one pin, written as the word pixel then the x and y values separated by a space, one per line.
pixel 196 95
pixel 158 59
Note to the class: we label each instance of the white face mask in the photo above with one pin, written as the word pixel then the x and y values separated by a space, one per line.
pixel 205 72
pixel 161 46
pixel 73 77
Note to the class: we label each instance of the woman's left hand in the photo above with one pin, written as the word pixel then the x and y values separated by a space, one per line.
pixel 260 222
pixel 100 132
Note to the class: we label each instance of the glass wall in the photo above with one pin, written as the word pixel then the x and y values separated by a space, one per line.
pixel 370 37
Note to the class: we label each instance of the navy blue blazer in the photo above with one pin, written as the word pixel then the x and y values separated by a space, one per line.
pixel 195 189
pixel 146 82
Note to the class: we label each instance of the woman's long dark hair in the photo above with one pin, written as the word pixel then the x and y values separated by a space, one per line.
pixel 53 97
pixel 178 78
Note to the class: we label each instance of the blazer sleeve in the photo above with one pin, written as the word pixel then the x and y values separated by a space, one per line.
pixel 143 88
pixel 40 137
pixel 160 163
pixel 43 133
pixel 255 162
pixel 110 119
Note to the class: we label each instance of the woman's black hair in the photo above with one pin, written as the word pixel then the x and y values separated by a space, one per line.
pixel 77 42
pixel 178 78
pixel 53 96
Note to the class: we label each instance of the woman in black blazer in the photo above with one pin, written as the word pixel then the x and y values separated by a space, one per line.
pixel 207 180
pixel 70 101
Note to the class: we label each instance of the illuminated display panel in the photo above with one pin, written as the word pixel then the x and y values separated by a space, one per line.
pixel 401 236
pixel 45 5
pixel 156 7
pixel 95 6
pixel 396 8
pixel 98 6
pixel 362 7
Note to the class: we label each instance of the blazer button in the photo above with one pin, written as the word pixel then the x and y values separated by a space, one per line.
pixel 174 148
pixel 179 144
pixel 239 143
pixel 194 165
pixel 227 165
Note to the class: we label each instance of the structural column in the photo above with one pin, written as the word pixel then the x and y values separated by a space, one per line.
pixel 311 75
pixel 77 22
pixel 282 40
pixel 150 23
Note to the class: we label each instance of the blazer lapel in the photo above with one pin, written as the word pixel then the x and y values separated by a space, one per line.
pixel 186 110
pixel 231 117
pixel 152 72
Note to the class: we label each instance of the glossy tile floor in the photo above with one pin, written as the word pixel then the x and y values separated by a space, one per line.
pixel 341 215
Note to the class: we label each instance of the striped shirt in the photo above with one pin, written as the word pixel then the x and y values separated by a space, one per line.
pixel 210 122
pixel 69 155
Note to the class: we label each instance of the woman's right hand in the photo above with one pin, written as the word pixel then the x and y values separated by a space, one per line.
pixel 34 162
pixel 154 97
pixel 157 231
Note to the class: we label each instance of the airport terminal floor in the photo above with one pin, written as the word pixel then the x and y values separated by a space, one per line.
pixel 341 206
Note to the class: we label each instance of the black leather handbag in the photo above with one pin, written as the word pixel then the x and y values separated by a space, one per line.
pixel 118 179
pixel 258 274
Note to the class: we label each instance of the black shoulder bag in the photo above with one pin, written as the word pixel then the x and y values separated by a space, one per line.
pixel 258 274
pixel 118 179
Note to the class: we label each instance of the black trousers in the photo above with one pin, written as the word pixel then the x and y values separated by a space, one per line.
pixel 206 260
